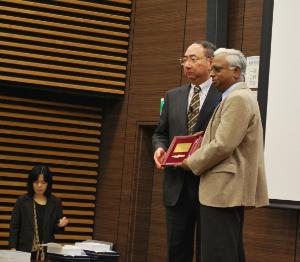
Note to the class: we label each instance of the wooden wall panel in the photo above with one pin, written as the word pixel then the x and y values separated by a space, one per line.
pixel 236 23
pixel 139 227
pixel 269 235
pixel 195 28
pixel 245 19
pixel 157 245
pixel 70 45
pixel 109 189
pixel 297 251
pixel 252 27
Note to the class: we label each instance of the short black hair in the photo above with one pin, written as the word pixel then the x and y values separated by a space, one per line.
pixel 209 47
pixel 34 175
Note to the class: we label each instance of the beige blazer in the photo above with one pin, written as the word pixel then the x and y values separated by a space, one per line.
pixel 230 160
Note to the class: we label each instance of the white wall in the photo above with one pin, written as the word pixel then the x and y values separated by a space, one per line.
pixel 282 144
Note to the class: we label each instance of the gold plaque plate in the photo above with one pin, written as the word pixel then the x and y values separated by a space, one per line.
pixel 182 147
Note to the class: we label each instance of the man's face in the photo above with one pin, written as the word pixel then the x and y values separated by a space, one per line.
pixel 195 65
pixel 222 75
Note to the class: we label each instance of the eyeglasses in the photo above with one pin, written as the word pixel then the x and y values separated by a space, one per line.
pixel 192 59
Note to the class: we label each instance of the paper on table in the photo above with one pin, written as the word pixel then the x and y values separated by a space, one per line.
pixel 13 256
pixel 96 247
pixel 67 250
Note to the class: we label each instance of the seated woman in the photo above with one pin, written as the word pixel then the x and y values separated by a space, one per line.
pixel 37 215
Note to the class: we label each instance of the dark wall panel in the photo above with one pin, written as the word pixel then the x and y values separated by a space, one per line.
pixel 109 184
pixel 297 253
pixel 157 246
pixel 195 25
pixel 252 27
pixel 139 227
pixel 269 235
pixel 235 23
pixel 195 22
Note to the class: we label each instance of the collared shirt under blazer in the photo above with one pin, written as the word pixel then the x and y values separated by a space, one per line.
pixel 230 161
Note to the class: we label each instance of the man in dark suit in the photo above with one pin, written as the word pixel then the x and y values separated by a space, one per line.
pixel 180 188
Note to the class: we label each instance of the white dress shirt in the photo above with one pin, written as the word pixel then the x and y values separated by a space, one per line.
pixel 203 93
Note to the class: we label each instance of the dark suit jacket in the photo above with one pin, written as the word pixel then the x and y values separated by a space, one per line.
pixel 22 224
pixel 173 122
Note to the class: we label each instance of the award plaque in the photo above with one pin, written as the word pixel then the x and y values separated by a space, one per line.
pixel 181 148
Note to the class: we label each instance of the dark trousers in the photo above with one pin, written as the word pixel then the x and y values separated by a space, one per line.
pixel 222 234
pixel 182 221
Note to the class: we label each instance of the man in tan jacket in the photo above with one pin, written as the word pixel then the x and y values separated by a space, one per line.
pixel 230 162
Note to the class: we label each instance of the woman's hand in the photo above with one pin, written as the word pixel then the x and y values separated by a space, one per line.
pixel 63 222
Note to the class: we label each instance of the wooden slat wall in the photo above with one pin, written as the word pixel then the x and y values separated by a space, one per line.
pixel 61 44
pixel 64 136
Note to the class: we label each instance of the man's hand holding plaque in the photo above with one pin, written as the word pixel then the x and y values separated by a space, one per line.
pixel 159 156
pixel 181 148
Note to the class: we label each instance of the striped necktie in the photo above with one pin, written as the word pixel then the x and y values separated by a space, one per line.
pixel 193 110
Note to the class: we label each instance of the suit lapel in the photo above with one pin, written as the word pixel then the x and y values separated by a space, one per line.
pixel 212 99
pixel 29 209
pixel 182 107
pixel 48 211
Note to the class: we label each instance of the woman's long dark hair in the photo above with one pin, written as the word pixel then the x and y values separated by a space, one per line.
pixel 34 175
